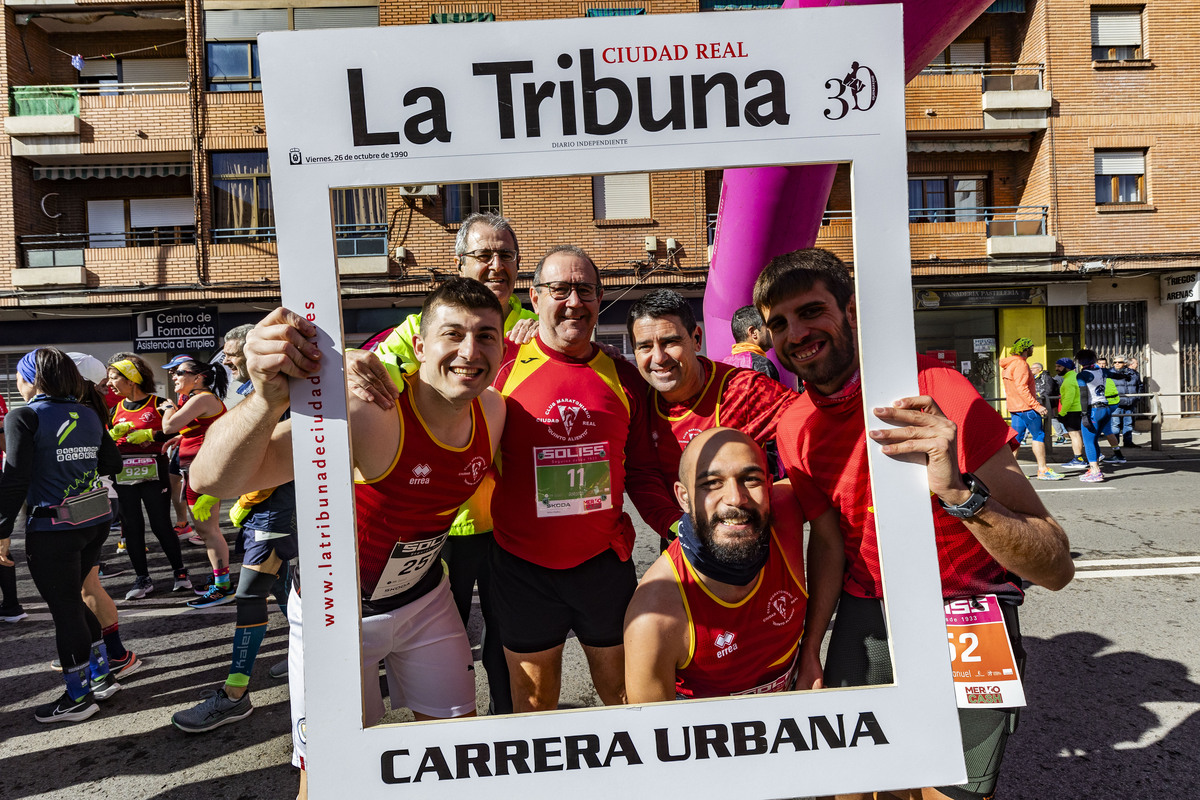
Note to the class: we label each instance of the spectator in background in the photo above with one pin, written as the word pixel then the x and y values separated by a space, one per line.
pixel 1047 394
pixel 1024 407
pixel 10 608
pixel 1128 382
pixel 751 342
pixel 1070 410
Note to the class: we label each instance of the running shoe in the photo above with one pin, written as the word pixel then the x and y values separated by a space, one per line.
pixel 121 545
pixel 1116 458
pixel 64 709
pixel 1050 475
pixel 195 540
pixel 142 586
pixel 12 613
pixel 215 596
pixel 120 667
pixel 105 688
pixel 1075 463
pixel 182 582
pixel 1092 477
pixel 278 671
pixel 215 710
pixel 109 571
pixel 183 530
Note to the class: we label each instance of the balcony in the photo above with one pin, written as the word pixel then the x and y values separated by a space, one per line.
pixel 1000 97
pixel 43 251
pixel 72 120
pixel 361 249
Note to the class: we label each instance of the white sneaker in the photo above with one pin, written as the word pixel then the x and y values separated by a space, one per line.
pixel 142 586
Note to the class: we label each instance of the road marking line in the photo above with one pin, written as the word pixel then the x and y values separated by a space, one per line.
pixel 1132 573
pixel 1117 562
pixel 1075 489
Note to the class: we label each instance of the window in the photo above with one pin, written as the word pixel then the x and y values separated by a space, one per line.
pixel 360 221
pixel 242 207
pixel 1116 34
pixel 233 67
pixel 141 222
pixel 621 196
pixel 964 56
pixel 1120 176
pixel 953 198
pixel 614 12
pixel 464 199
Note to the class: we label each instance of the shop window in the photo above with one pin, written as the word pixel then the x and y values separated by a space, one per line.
pixel 621 196
pixel 243 209
pixel 1120 176
pixel 1116 34
pixel 464 199
pixel 947 198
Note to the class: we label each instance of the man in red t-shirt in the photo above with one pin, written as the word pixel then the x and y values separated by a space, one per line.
pixel 692 393
pixel 991 527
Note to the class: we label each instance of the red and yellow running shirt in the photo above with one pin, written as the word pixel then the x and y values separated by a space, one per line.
pixel 747 647
pixel 822 443
pixel 733 397
pixel 143 415
pixel 418 496
pixel 575 436
pixel 193 434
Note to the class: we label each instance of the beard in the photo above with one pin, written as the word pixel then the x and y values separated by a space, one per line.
pixel 738 553
pixel 838 358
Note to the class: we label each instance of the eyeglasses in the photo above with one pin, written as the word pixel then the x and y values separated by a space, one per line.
pixel 1120 362
pixel 486 256
pixel 561 290
pixel 185 372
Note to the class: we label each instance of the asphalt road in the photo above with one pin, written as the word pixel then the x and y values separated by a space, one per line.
pixel 1113 673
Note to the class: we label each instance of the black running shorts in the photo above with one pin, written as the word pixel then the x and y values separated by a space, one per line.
pixel 538 607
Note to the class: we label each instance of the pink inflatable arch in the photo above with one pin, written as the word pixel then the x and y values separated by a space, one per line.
pixel 772 210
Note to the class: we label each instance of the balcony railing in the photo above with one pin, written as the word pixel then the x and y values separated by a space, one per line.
pixel 66 249
pixel 357 240
pixel 227 235
pixel 30 101
pixel 1001 220
pixel 996 77
pixel 830 216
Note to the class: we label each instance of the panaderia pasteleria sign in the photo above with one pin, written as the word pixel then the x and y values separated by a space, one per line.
pixel 435 104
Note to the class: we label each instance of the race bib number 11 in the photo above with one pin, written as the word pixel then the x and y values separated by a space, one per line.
pixel 572 479
pixel 985 672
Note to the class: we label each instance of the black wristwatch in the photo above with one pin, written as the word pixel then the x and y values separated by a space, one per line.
pixel 973 504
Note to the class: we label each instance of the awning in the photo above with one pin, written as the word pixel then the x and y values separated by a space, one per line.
pixel 83 171
pixel 968 146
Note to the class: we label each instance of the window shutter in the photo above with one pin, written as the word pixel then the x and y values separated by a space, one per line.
pixel 1116 28
pixel 106 223
pixel 968 52
pixel 621 196
pixel 307 19
pixel 99 68
pixel 243 24
pixel 154 70
pixel 1120 162
pixel 161 212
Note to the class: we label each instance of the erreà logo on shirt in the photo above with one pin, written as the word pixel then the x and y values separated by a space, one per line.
pixel 420 475
pixel 725 643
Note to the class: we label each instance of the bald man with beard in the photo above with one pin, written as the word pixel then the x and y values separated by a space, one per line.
pixel 721 612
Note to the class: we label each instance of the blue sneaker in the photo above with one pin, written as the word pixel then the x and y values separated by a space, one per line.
pixel 1116 458
pixel 1075 463
pixel 215 596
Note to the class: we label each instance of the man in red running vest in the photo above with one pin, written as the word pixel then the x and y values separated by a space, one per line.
pixel 722 611
pixel 444 427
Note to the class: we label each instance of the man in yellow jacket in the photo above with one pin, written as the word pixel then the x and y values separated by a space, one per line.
pixel 1026 410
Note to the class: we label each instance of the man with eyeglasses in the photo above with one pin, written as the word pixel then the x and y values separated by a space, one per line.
pixel 577 438
pixel 486 250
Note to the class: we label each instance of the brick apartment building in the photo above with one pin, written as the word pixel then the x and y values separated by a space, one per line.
pixel 1049 164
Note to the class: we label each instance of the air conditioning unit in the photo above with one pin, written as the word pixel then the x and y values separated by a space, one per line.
pixel 425 190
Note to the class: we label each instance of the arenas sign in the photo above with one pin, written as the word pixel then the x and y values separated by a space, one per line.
pixel 439 104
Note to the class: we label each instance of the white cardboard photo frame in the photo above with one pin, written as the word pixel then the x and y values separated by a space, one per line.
pixel 423 115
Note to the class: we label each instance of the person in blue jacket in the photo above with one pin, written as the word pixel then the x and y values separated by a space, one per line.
pixel 57 451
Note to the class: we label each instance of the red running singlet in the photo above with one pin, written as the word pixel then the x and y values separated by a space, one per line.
pixel 144 416
pixel 749 647
pixel 193 435
pixel 418 497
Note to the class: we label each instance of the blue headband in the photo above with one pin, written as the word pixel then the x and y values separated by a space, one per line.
pixel 27 367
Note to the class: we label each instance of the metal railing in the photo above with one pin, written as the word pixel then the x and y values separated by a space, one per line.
pixel 995 76
pixel 353 239
pixel 39 100
pixel 38 246
pixel 114 89
pixel 225 235
pixel 1155 414
pixel 1001 220
pixel 830 216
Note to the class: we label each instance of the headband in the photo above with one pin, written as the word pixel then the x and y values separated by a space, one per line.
pixel 128 369
pixel 27 367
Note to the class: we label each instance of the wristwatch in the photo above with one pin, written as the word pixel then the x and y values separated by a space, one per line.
pixel 973 504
